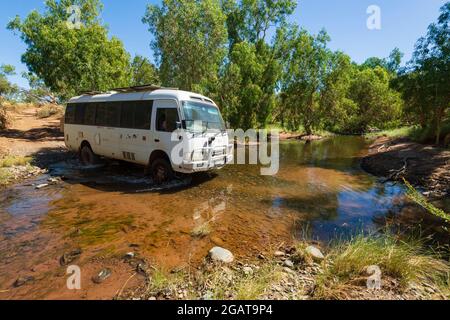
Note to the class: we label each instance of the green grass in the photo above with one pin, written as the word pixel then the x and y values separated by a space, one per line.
pixel 5 177
pixel 418 198
pixel 415 133
pixel 404 261
pixel 11 161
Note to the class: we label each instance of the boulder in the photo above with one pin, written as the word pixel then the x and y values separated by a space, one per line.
pixel 315 253
pixel 219 254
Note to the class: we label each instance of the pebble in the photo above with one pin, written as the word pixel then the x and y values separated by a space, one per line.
pixel 247 271
pixel 288 263
pixel 279 254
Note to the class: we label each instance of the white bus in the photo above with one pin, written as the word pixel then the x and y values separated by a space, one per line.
pixel 137 125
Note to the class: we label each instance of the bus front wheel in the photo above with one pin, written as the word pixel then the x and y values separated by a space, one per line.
pixel 161 171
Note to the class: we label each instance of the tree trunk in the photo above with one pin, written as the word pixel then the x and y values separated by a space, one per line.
pixel 439 114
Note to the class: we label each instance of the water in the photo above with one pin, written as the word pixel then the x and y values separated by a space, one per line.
pixel 319 193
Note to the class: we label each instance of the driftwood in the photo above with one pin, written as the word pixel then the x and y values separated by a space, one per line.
pixel 398 174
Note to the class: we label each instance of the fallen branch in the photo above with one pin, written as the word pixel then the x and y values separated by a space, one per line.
pixel 398 174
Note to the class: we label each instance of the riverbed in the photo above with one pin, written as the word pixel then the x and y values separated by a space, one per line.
pixel 320 193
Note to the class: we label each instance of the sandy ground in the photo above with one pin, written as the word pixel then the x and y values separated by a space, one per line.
pixel 31 136
pixel 424 166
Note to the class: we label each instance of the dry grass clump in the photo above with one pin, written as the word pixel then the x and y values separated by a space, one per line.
pixel 11 161
pixel 5 118
pixel 49 110
pixel 406 262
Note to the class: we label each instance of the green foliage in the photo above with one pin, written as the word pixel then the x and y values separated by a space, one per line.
pixel 143 72
pixel 306 66
pixel 69 60
pixel 246 91
pixel 6 88
pixel 189 41
pixel 425 83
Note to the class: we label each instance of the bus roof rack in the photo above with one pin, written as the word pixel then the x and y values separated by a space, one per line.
pixel 145 87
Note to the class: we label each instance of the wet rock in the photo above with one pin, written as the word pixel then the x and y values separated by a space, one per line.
pixel 142 268
pixel 102 276
pixel 54 180
pixel 70 257
pixel 128 256
pixel 219 254
pixel 288 263
pixel 42 186
pixel 279 254
pixel 21 281
pixel 315 253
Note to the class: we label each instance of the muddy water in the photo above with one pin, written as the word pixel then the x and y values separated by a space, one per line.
pixel 320 192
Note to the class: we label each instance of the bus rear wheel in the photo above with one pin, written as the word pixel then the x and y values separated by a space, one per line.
pixel 161 171
pixel 87 156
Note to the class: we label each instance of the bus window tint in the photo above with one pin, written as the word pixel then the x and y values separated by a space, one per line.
pixel 166 119
pixel 143 114
pixel 127 115
pixel 100 119
pixel 89 114
pixel 79 113
pixel 113 114
pixel 70 114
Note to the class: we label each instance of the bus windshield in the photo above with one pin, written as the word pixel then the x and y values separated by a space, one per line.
pixel 201 117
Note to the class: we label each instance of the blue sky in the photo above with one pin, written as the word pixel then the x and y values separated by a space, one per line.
pixel 402 23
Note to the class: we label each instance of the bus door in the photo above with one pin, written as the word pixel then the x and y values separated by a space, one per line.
pixel 165 117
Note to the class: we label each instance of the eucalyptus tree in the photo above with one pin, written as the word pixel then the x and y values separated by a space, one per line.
pixel 189 42
pixel 430 67
pixel 68 57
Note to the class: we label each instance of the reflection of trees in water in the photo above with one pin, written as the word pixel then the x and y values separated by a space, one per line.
pixel 338 152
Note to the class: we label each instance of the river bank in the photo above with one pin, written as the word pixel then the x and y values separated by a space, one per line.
pixel 425 166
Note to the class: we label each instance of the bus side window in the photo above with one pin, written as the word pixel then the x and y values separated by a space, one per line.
pixel 127 115
pixel 89 114
pixel 143 114
pixel 70 114
pixel 113 114
pixel 166 119
pixel 100 119
pixel 79 113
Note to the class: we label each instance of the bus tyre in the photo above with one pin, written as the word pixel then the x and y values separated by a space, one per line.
pixel 161 171
pixel 87 156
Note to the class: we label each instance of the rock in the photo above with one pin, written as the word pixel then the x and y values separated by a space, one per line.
pixel 41 186
pixel 288 263
pixel 315 253
pixel 279 254
pixel 102 276
pixel 21 281
pixel 152 299
pixel 129 256
pixel 68 258
pixel 219 254
pixel 247 271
